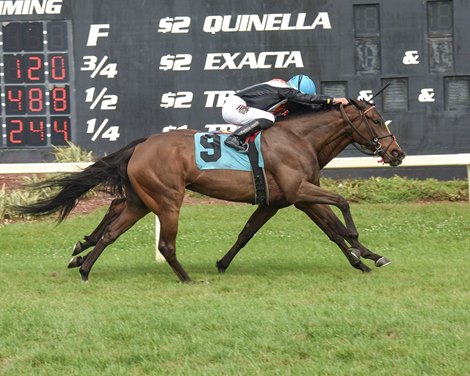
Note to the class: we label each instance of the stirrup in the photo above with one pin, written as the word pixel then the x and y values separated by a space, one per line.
pixel 235 143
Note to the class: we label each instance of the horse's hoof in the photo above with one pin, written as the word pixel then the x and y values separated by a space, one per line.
pixel 220 267
pixel 362 267
pixel 83 275
pixel 77 248
pixel 383 261
pixel 75 262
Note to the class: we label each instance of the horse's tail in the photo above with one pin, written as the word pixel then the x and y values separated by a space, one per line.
pixel 109 171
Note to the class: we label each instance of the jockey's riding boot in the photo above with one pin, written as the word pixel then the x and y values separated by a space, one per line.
pixel 235 140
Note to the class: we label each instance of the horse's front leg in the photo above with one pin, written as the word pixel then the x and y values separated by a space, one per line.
pixel 368 254
pixel 309 193
pixel 330 224
pixel 261 215
pixel 325 212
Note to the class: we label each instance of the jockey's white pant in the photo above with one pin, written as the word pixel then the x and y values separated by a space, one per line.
pixel 236 111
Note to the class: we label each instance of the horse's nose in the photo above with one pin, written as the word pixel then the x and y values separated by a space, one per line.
pixel 398 156
pixel 398 153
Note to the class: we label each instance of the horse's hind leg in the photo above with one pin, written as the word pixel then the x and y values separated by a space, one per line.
pixel 167 243
pixel 131 213
pixel 113 212
pixel 261 215
pixel 324 218
pixel 163 195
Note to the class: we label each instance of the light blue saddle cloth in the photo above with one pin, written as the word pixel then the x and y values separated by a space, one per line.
pixel 213 154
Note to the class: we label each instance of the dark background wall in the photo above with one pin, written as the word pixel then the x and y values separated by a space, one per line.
pixel 164 65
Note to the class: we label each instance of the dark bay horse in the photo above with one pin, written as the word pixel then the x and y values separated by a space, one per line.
pixel 151 175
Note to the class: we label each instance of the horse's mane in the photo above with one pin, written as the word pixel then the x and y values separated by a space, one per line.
pixel 300 110
pixel 297 110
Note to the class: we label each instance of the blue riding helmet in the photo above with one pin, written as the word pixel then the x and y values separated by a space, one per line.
pixel 303 83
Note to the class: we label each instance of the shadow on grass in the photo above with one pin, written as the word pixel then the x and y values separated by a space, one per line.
pixel 161 272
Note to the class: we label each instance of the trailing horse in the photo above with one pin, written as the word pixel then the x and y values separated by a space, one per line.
pixel 151 175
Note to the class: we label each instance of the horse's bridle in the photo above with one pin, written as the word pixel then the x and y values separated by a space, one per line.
pixel 373 143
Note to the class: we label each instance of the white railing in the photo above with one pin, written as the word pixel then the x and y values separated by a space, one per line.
pixel 41 168
pixel 353 162
pixel 409 161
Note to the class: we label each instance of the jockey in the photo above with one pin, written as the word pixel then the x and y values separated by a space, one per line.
pixel 250 107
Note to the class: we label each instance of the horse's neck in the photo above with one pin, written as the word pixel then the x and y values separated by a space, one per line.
pixel 331 150
pixel 327 132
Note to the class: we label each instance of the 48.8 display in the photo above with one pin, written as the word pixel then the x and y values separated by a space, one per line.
pixel 35 85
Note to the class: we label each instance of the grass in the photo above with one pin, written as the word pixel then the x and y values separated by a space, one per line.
pixel 289 304
pixel 72 153
pixel 398 189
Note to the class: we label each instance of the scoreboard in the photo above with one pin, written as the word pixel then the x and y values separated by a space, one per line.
pixel 35 84
pixel 103 73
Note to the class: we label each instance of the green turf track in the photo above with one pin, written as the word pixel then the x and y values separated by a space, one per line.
pixel 290 304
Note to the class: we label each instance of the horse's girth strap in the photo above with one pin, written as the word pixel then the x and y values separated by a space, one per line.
pixel 259 180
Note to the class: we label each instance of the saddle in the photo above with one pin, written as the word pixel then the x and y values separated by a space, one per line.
pixel 211 153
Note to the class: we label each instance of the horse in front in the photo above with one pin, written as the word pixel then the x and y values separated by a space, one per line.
pixel 152 174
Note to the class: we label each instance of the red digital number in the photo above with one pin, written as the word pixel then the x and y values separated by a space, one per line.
pixel 13 68
pixel 59 100
pixel 18 69
pixel 35 99
pixel 58 68
pixel 37 129
pixel 34 72
pixel 13 132
pixel 15 100
pixel 60 126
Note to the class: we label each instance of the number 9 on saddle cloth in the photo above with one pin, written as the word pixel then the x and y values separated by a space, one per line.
pixel 212 154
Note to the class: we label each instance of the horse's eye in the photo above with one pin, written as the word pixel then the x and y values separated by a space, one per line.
pixel 376 121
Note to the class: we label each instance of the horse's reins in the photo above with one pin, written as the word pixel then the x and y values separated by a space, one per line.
pixel 373 143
